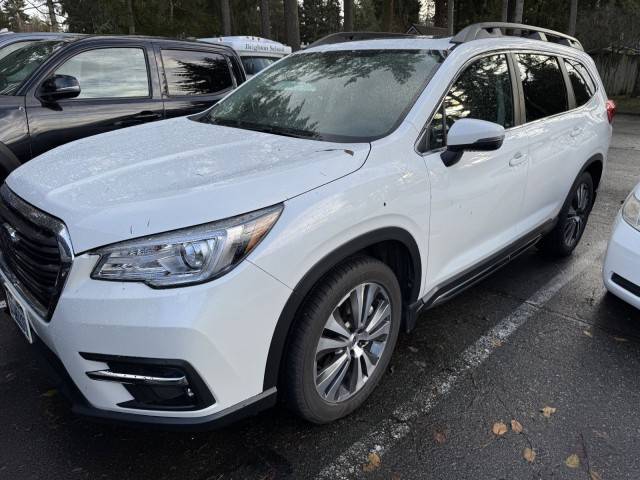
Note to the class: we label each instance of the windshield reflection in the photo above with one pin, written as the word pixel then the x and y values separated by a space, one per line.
pixel 334 96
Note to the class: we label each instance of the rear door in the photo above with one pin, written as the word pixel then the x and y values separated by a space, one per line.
pixel 194 78
pixel 119 88
pixel 551 130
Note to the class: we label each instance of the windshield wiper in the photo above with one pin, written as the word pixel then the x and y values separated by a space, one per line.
pixel 286 132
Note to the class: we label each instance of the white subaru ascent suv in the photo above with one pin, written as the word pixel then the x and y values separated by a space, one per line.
pixel 189 272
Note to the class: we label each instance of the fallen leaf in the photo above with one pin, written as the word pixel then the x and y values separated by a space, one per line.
pixel 439 436
pixel 620 339
pixel 588 333
pixel 572 461
pixel 516 426
pixel 373 462
pixel 529 455
pixel 548 411
pixel 499 429
pixel 413 349
pixel 593 475
pixel 496 343
pixel 50 393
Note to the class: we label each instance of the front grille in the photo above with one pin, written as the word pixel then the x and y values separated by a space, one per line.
pixel 34 251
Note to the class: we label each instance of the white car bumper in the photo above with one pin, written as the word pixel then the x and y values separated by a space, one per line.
pixel 219 332
pixel 622 263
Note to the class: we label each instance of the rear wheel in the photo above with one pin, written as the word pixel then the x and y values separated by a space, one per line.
pixel 572 221
pixel 343 340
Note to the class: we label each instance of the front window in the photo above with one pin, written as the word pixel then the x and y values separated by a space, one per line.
pixel 109 73
pixel 483 92
pixel 253 65
pixel 337 96
pixel 19 61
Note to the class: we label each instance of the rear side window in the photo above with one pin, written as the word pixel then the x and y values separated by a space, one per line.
pixel 196 73
pixel 109 73
pixel 483 91
pixel 545 92
pixel 583 86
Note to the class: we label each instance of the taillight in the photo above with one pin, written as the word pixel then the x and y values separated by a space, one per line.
pixel 611 110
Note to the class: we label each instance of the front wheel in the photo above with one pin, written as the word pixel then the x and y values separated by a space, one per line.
pixel 572 221
pixel 343 340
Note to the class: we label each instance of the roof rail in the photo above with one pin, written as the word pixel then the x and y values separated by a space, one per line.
pixel 342 37
pixel 500 29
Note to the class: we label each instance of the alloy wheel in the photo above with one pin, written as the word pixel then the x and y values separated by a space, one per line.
pixel 352 342
pixel 577 215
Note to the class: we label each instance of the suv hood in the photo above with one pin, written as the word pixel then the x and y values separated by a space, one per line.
pixel 173 174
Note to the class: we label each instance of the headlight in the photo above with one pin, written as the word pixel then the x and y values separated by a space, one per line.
pixel 631 211
pixel 188 256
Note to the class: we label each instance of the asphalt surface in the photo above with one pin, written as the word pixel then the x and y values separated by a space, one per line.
pixel 539 333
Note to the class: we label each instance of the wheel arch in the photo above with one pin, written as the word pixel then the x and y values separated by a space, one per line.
pixel 394 246
pixel 595 167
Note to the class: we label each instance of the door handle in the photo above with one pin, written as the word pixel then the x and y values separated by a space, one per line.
pixel 147 116
pixel 517 159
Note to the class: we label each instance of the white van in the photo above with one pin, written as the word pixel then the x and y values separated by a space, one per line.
pixel 256 53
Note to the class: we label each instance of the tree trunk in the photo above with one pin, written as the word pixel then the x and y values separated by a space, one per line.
pixel 440 15
pixel 518 12
pixel 130 20
pixel 387 15
pixel 348 16
pixel 292 23
pixel 226 17
pixel 53 20
pixel 505 11
pixel 573 17
pixel 450 10
pixel 265 19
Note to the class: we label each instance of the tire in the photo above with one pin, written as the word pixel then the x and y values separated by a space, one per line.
pixel 572 219
pixel 312 393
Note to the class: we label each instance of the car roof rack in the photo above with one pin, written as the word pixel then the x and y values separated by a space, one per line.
pixel 501 29
pixel 342 37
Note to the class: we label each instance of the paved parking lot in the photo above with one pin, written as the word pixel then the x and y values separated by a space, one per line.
pixel 537 334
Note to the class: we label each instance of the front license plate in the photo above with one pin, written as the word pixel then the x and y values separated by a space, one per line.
pixel 18 313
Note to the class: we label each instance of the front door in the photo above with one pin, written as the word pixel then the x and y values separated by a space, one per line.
pixel 116 92
pixel 476 203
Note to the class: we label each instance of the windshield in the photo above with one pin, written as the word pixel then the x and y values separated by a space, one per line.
pixel 18 61
pixel 341 96
pixel 253 65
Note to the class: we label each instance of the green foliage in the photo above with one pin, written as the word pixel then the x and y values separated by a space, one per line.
pixel 13 13
pixel 319 18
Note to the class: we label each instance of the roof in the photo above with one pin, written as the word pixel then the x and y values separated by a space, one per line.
pixel 249 44
pixel 7 37
pixel 444 44
pixel 406 43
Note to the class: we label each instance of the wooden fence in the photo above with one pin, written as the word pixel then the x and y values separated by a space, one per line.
pixel 619 72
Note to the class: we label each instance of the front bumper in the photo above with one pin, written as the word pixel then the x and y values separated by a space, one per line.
pixel 621 270
pixel 222 329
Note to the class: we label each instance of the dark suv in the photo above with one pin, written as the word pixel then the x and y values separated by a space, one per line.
pixel 56 88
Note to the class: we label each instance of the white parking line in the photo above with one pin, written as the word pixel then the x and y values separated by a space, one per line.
pixel 391 430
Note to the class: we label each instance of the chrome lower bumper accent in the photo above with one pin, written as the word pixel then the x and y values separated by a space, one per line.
pixel 131 379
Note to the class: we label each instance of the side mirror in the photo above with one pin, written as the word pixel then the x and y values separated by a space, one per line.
pixel 59 87
pixel 471 135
